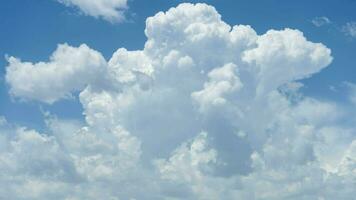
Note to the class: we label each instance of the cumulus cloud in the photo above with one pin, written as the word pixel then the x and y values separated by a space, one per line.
pixel 321 21
pixel 69 69
pixel 222 81
pixel 205 111
pixel 110 10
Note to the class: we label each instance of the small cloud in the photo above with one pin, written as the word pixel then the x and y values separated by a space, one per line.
pixel 321 21
pixel 109 10
pixel 332 88
pixel 350 29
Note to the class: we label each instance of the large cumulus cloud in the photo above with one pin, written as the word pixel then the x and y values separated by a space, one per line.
pixel 204 111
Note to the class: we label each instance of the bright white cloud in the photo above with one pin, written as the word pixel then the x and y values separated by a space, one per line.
pixel 321 21
pixel 289 47
pixel 110 10
pixel 204 111
pixel 222 81
pixel 69 69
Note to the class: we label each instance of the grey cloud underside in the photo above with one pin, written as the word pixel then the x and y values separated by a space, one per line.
pixel 204 111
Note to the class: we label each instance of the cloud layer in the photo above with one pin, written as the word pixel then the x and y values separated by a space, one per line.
pixel 110 10
pixel 204 111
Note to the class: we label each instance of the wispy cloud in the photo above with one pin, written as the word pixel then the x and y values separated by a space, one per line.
pixel 110 10
pixel 351 91
pixel 350 29
pixel 321 21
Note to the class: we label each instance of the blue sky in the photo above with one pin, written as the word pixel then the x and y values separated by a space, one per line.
pixel 31 32
pixel 192 108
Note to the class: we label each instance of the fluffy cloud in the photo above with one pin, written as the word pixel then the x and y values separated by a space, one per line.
pixel 70 69
pixel 204 111
pixel 110 10
pixel 222 81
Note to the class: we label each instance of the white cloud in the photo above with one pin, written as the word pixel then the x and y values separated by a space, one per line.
pixel 350 29
pixel 204 111
pixel 70 69
pixel 110 10
pixel 222 81
pixel 289 47
pixel 321 21
pixel 184 165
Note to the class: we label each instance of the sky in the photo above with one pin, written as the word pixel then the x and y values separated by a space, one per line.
pixel 31 31
pixel 117 99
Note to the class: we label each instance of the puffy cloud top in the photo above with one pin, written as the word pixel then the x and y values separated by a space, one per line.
pixel 69 69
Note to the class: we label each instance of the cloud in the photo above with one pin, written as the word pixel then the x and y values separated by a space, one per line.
pixel 69 69
pixel 321 21
pixel 350 29
pixel 352 91
pixel 203 111
pixel 222 81
pixel 110 10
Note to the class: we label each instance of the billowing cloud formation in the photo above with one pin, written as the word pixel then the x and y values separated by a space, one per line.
pixel 110 10
pixel 204 111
